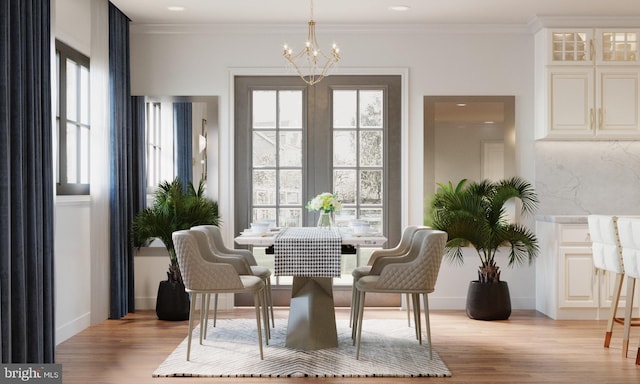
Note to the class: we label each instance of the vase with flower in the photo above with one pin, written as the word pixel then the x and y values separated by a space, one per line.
pixel 326 203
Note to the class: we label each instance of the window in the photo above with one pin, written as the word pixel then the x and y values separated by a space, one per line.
pixel 153 134
pixel 293 142
pixel 72 136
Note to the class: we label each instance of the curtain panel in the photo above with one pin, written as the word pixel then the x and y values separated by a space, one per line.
pixel 126 169
pixel 182 118
pixel 27 329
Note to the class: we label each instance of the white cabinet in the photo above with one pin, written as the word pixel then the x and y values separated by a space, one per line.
pixel 568 287
pixel 587 84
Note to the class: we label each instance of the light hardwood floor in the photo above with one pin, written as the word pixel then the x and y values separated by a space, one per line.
pixel 527 348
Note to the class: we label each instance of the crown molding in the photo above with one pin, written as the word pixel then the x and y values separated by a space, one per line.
pixel 369 29
pixel 550 21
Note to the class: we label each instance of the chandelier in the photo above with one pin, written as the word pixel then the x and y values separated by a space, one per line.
pixel 311 64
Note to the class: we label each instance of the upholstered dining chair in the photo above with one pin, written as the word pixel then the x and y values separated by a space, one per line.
pixel 629 232
pixel 211 254
pixel 202 277
pixel 217 245
pixel 414 277
pixel 607 256
pixel 399 250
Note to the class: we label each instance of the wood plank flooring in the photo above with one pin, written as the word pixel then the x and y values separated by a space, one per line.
pixel 527 348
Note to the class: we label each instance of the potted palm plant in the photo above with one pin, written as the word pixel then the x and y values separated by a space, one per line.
pixel 174 208
pixel 475 215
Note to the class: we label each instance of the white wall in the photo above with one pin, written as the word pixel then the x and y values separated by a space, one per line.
pixel 200 60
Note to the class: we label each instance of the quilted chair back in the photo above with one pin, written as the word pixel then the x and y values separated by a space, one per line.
pixel 217 243
pixel 607 254
pixel 421 273
pixel 629 230
pixel 199 274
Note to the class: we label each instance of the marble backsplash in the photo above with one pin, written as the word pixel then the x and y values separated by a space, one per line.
pixel 584 177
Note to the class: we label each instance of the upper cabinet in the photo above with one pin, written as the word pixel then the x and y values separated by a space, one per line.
pixel 588 84
pixel 593 46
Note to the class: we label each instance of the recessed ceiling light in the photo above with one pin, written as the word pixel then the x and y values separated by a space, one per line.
pixel 489 122
pixel 399 8
pixel 461 105
pixel 175 8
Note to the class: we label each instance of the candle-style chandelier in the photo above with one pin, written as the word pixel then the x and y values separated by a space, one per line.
pixel 311 64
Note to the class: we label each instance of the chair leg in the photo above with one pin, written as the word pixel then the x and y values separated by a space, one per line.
pixel 408 310
pixel 416 316
pixel 265 316
pixel 204 325
pixel 270 302
pixel 614 308
pixel 427 323
pixel 192 310
pixel 256 302
pixel 215 309
pixel 352 312
pixel 203 305
pixel 631 284
pixel 359 323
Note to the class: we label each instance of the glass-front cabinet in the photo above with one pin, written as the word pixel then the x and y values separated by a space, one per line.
pixel 590 46
pixel 589 84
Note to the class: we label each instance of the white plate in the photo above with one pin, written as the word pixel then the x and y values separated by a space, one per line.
pixel 368 234
pixel 248 232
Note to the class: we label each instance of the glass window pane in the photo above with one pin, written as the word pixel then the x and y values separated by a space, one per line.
pixel 371 148
pixel 344 149
pixel 291 187
pixel 264 109
pixel 371 109
pixel 344 109
pixel 84 95
pixel 290 217
pixel 291 149
pixel 84 155
pixel 72 154
pixel 290 109
pixel 263 213
pixel 373 216
pixel 264 187
pixel 72 91
pixel 345 185
pixel 264 149
pixel 344 216
pixel 371 187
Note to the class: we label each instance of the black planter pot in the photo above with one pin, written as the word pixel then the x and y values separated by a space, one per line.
pixel 488 301
pixel 172 302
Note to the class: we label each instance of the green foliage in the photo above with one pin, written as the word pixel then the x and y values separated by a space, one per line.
pixel 475 216
pixel 174 209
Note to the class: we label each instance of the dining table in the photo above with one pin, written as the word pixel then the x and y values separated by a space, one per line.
pixel 312 256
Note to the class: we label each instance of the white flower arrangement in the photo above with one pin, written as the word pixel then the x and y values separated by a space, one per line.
pixel 325 202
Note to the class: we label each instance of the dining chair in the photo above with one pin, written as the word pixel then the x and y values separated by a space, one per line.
pixel 211 255
pixel 202 277
pixel 414 277
pixel 399 250
pixel 607 256
pixel 629 232
pixel 217 245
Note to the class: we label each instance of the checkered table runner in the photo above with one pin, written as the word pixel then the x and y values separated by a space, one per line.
pixel 307 251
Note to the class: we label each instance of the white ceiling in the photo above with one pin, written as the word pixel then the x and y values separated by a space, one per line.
pixel 370 11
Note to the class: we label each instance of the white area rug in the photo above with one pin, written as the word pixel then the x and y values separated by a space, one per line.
pixel 389 349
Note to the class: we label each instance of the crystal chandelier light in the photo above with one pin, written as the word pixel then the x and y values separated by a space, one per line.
pixel 311 64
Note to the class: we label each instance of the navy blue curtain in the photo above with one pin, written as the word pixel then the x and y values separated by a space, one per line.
pixel 27 327
pixel 126 168
pixel 182 118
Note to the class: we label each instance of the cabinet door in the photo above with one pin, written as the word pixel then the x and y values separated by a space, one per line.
pixel 571 102
pixel 571 47
pixel 618 102
pixel 616 46
pixel 577 284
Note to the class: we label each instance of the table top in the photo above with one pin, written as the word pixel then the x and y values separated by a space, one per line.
pixel 267 239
